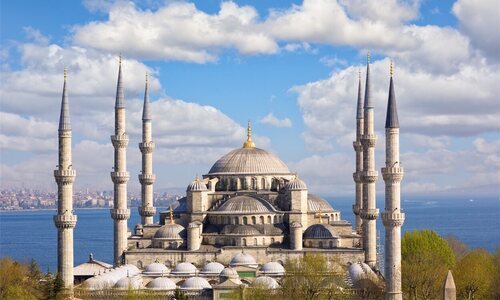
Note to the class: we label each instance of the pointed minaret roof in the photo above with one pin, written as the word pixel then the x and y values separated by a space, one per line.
pixel 120 98
pixel 146 110
pixel 392 120
pixel 64 121
pixel 449 289
pixel 368 90
pixel 449 283
pixel 359 114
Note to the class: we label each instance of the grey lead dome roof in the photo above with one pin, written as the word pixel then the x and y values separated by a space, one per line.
pixel 244 204
pixel 320 231
pixel 249 161
pixel 162 283
pixel 170 231
pixel 316 203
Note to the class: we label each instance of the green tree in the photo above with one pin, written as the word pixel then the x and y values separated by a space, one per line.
pixel 474 275
pixel 459 248
pixel 17 292
pixel 15 282
pixel 426 257
pixel 496 281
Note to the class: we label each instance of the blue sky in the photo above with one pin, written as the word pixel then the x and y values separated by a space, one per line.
pixel 289 66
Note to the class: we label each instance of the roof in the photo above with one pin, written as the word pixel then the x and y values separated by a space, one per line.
pixel 316 204
pixel 320 231
pixel 64 120
pixel 249 161
pixel 110 277
pixel 120 98
pixel 368 89
pixel 246 204
pixel 359 111
pixel 126 283
pixel 170 231
pixel 156 269
pixel 272 268
pixel 243 259
pixel 184 268
pixel 296 184
pixel 245 230
pixel 180 206
pixel 162 283
pixel 91 268
pixel 196 185
pixel 266 282
pixel 212 268
pixel 196 283
pixel 229 273
pixel 146 110
pixel 391 120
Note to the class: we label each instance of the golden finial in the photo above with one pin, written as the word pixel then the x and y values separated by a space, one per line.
pixel 368 57
pixel 320 219
pixel 146 76
pixel 391 69
pixel 171 215
pixel 249 143
pixel 65 73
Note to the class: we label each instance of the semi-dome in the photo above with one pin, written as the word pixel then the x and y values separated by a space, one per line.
pixel 245 204
pixel 245 230
pixel 184 268
pixel 212 268
pixel 249 161
pixel 243 259
pixel 317 204
pixel 170 231
pixel 273 268
pixel 296 184
pixel 162 283
pixel 195 283
pixel 126 283
pixel 156 269
pixel 229 273
pixel 196 186
pixel 320 231
pixel 266 282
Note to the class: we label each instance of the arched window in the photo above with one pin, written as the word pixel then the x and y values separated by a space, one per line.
pixel 236 221
pixel 269 220
pixel 253 220
pixel 244 242
pixel 255 242
pixel 275 219
pixel 245 221
pixel 263 241
pixel 254 184
pixel 263 183
pixel 320 245
pixel 331 244
pixel 261 219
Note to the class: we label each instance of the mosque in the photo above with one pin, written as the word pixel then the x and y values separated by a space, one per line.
pixel 240 222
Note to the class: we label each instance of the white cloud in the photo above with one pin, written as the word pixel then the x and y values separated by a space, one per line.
pixel 272 120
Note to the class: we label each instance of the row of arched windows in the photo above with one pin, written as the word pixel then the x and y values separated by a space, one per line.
pixel 247 220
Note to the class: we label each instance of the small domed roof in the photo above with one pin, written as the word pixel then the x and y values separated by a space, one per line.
pixel 245 230
pixel 358 271
pixel 170 231
pixel 184 268
pixel 196 283
pixel 212 268
pixel 296 184
pixel 316 204
pixel 245 204
pixel 229 273
pixel 162 283
pixel 272 268
pixel 266 282
pixel 320 231
pixel 196 186
pixel 243 259
pixel 129 283
pixel 155 269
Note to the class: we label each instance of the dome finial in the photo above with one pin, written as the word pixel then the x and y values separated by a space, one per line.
pixel 249 143
pixel 171 215
pixel 391 70
pixel 368 57
pixel 65 73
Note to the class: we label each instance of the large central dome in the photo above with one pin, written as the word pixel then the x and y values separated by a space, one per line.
pixel 249 160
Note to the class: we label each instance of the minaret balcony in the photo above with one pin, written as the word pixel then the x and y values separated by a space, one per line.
pixel 358 147
pixel 358 177
pixel 147 178
pixel 147 211
pixel 369 140
pixel 147 147
pixel 394 174
pixel 64 133
pixel 65 221
pixel 65 176
pixel 120 214
pixel 369 176
pixel 392 219
pixel 120 177
pixel 369 214
pixel 119 140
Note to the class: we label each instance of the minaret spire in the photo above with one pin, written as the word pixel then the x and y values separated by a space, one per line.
pixel 392 217
pixel 65 175
pixel 249 143
pixel 358 148
pixel 147 178
pixel 120 212
pixel 369 212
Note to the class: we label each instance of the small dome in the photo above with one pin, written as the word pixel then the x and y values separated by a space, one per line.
pixel 156 269
pixel 296 184
pixel 316 204
pixel 196 283
pixel 245 204
pixel 170 231
pixel 229 273
pixel 184 268
pixel 243 259
pixel 245 230
pixel 212 268
pixel 320 231
pixel 162 283
pixel 359 271
pixel 266 282
pixel 126 283
pixel 273 268
pixel 196 186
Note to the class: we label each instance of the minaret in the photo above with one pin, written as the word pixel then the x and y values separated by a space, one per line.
pixel 65 220
pixel 358 205
pixel 120 213
pixel 147 178
pixel 369 212
pixel 392 217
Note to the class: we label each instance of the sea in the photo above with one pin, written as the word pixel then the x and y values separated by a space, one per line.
pixel 31 233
